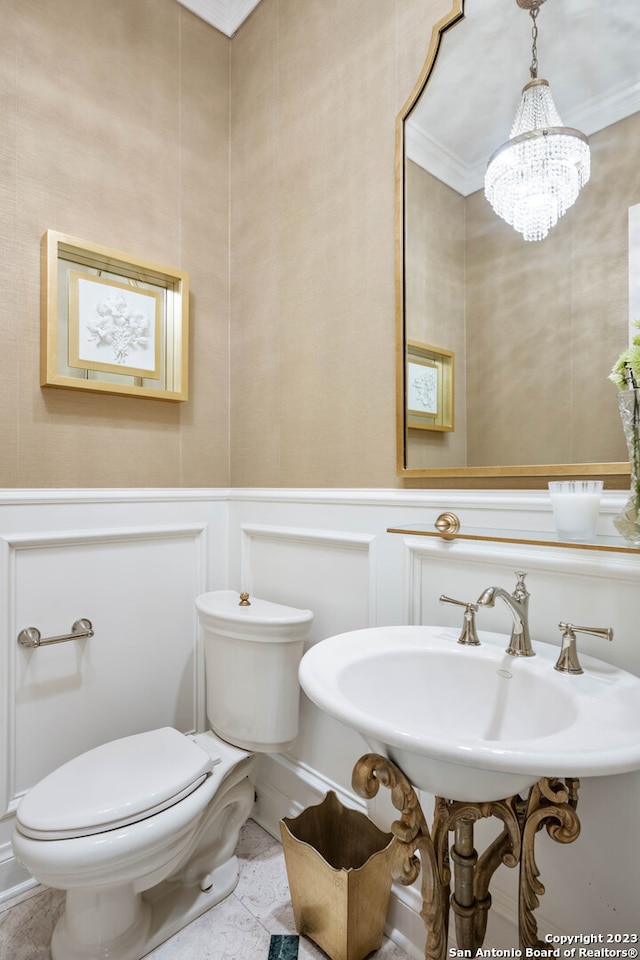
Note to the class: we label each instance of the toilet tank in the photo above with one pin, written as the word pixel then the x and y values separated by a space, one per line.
pixel 252 653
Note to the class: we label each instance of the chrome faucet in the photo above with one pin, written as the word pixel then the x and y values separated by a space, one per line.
pixel 518 604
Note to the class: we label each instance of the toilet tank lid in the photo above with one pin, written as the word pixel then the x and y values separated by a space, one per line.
pixel 114 784
pixel 225 606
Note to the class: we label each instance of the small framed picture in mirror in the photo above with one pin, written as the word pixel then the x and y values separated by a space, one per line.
pixel 429 387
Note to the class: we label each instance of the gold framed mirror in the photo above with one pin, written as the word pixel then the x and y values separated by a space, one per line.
pixel 533 327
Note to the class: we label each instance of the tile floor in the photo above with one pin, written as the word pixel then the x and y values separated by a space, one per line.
pixel 239 927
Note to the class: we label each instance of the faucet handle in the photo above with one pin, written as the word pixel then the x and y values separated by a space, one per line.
pixel 568 660
pixel 468 635
pixel 520 591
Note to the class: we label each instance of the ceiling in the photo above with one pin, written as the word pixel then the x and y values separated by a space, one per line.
pixel 587 50
pixel 224 15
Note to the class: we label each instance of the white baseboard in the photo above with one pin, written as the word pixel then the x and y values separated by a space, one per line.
pixel 14 879
pixel 285 787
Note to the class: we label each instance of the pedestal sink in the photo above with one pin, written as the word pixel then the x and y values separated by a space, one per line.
pixel 489 735
pixel 473 723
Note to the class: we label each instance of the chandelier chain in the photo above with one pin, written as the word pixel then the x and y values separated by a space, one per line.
pixel 533 12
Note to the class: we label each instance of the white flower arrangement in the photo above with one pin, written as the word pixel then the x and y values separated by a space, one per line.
pixel 626 371
pixel 626 376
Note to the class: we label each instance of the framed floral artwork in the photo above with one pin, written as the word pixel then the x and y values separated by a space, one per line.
pixel 112 323
pixel 429 387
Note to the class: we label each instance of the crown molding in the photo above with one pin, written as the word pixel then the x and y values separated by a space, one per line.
pixel 225 15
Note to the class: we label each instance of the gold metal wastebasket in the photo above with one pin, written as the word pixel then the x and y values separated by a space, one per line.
pixel 337 863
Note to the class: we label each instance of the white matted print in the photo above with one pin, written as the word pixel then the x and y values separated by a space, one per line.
pixel 114 327
pixel 422 387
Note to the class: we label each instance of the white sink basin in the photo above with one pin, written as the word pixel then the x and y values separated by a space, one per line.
pixel 473 723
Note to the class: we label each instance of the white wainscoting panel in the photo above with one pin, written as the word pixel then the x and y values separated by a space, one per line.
pixel 137 672
pixel 132 562
pixel 283 562
pixel 328 550
pixel 332 573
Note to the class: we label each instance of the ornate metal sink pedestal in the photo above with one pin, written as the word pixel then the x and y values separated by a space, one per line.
pixel 550 803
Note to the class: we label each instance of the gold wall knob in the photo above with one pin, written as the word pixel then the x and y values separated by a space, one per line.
pixel 447 525
pixel 244 599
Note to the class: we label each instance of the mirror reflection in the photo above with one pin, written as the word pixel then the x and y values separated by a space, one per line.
pixel 508 343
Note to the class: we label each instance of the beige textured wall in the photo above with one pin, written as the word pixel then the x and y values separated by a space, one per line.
pixel 435 302
pixel 315 89
pixel 114 129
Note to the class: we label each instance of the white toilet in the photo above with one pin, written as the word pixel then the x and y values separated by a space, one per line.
pixel 141 832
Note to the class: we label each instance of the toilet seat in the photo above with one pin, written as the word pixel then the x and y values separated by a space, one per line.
pixel 114 785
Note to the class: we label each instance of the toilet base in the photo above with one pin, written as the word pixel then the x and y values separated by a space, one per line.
pixel 164 911
pixel 131 908
pixel 173 909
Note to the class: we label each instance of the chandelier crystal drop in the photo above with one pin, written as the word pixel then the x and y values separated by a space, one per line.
pixel 533 178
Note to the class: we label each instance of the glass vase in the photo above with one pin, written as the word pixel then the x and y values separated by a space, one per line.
pixel 627 523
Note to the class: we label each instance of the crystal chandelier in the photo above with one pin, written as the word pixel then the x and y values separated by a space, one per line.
pixel 533 178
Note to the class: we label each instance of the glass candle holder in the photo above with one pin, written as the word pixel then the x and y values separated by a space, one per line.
pixel 575 505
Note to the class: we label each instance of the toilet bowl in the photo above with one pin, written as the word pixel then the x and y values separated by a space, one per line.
pixel 140 832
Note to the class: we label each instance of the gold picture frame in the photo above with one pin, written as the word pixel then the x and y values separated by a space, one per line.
pixel 429 387
pixel 112 323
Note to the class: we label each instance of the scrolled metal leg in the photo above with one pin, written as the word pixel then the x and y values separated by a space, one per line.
pixel 552 804
pixel 412 836
pixel 470 901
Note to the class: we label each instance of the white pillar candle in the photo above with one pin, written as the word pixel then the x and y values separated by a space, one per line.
pixel 575 505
